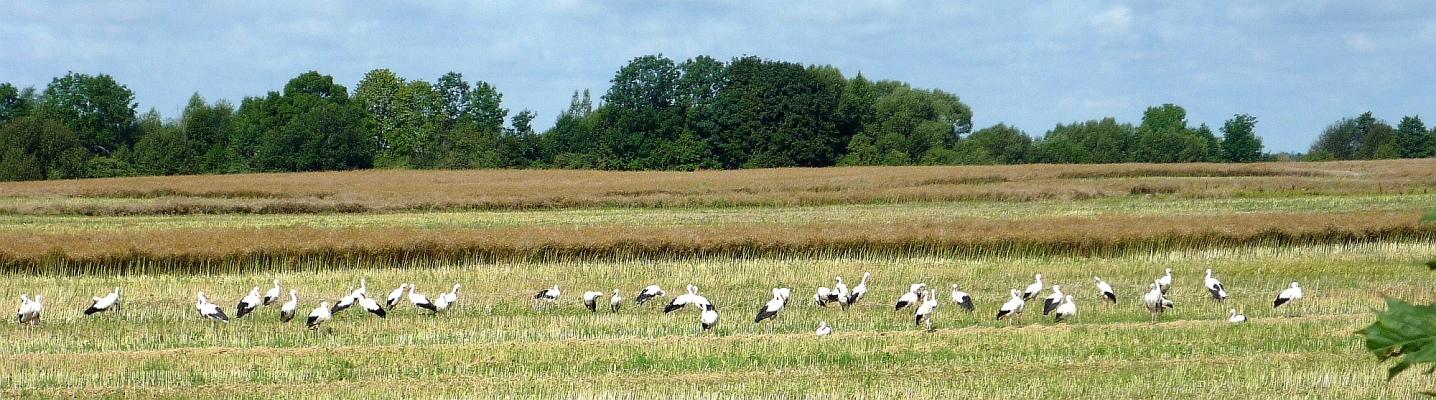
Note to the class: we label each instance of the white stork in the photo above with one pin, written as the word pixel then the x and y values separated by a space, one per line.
pixel 447 300
pixel 840 291
pixel 961 298
pixel 1156 302
pixel 420 300
pixel 248 303
pixel 709 318
pixel 1066 310
pixel 590 300
pixel 1214 286
pixel 1012 307
pixel 1106 290
pixel 824 329
pixel 373 307
pixel 273 294
pixel 346 301
pixel 685 299
pixel 1165 281
pixel 1290 294
pixel 106 303
pixel 858 291
pixel 821 297
pixel 648 293
pixel 395 296
pixel 783 293
pixel 549 295
pixel 29 312
pixel 1052 300
pixel 924 311
pixel 615 302
pixel 1034 289
pixel 769 311
pixel 1235 317
pixel 209 310
pixel 362 291
pixel 287 310
pixel 912 296
pixel 318 316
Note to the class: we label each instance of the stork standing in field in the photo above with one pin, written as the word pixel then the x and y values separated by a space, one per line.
pixel 1106 290
pixel 1288 295
pixel 1165 282
pixel 1034 289
pixel 273 293
pixel 395 296
pixel 911 297
pixel 858 291
pixel 1235 317
pixel 373 307
pixel 840 291
pixel 1052 300
pixel 248 303
pixel 420 300
pixel 685 299
pixel 824 329
pixel 106 303
pixel 209 310
pixel 1012 307
pixel 549 295
pixel 924 311
pixel 287 310
pixel 783 293
pixel 362 291
pixel 616 301
pixel 447 300
pixel 1214 286
pixel 345 302
pixel 1066 310
pixel 823 296
pixel 590 300
pixel 709 318
pixel 769 311
pixel 1156 302
pixel 29 312
pixel 318 316
pixel 961 298
pixel 648 293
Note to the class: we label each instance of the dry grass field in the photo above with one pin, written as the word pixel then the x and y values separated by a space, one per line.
pixel 1350 232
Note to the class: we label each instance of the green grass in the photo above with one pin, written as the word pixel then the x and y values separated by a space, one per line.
pixel 495 343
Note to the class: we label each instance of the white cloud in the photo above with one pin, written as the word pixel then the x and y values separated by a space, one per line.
pixel 1360 42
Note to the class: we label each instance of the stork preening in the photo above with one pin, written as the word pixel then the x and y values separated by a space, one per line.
pixel 373 307
pixel 824 329
pixel 590 300
pixel 615 302
pixel 29 312
pixel 395 296
pixel 769 311
pixel 924 311
pixel 914 292
pixel 105 303
pixel 209 310
pixel 272 294
pixel 287 310
pixel 1214 286
pixel 447 300
pixel 783 293
pixel 549 295
pixel 858 291
pixel 1033 289
pixel 420 300
pixel 1165 281
pixel 709 318
pixel 685 299
pixel 248 303
pixel 1053 300
pixel 961 298
pixel 318 316
pixel 648 293
pixel 840 291
pixel 1106 290
pixel 1066 310
pixel 1288 295
pixel 1235 317
pixel 1155 300
pixel 1014 306
pixel 823 296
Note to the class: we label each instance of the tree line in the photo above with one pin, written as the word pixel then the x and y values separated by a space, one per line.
pixel 658 114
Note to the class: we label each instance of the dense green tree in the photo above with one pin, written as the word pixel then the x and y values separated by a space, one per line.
pixel 776 114
pixel 1164 137
pixel 33 148
pixel 1412 138
pixel 1094 141
pixel 312 125
pixel 378 94
pixel 1360 138
pixel 15 102
pixel 97 108
pixel 1239 140
pixel 997 144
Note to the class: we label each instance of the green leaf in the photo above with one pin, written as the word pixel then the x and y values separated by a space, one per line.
pixel 1405 332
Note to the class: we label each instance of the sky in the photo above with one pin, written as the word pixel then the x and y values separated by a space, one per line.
pixel 1297 65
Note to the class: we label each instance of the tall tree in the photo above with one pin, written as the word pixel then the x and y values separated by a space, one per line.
pixel 14 102
pixel 1239 140
pixel 311 126
pixel 33 148
pixel 1412 138
pixel 997 144
pixel 1164 137
pixel 378 94
pixel 1094 141
pixel 100 110
pixel 1360 138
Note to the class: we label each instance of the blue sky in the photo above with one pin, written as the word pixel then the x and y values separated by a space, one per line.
pixel 1296 65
